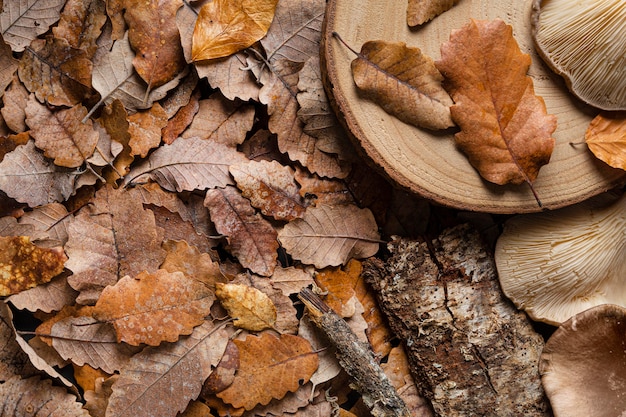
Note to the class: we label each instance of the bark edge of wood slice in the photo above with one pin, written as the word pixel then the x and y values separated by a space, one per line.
pixel 428 163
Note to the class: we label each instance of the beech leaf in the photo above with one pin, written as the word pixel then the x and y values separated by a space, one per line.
pixel 225 27
pixel 34 396
pixel 606 138
pixel 251 308
pixel 21 21
pixel 485 74
pixel 331 235
pixel 153 308
pixel 269 367
pixel 421 11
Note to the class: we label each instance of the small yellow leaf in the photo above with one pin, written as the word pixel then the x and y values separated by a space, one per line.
pixel 252 309
pixel 606 138
pixel 225 27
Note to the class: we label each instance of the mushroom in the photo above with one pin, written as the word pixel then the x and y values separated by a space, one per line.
pixel 585 42
pixel 583 364
pixel 559 263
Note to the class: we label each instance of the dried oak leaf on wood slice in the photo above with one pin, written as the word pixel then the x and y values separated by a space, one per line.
pixel 421 11
pixel 160 381
pixel 269 368
pixel 34 396
pixel 250 308
pixel 505 129
pixel 81 24
pixel 21 21
pixel 153 308
pixel 404 82
pixel 606 138
pixel 225 27
pixel 251 238
pixel 331 235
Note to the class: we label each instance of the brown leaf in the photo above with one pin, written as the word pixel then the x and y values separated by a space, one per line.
pixel 96 401
pixel 404 82
pixel 23 397
pixel 57 73
pixel 421 11
pixel 50 221
pixel 291 280
pixel 329 366
pixel 486 76
pixel 175 228
pixel 154 36
pixel 331 235
pixel 339 284
pixel 269 368
pixel 61 134
pixel 25 266
pixel 15 99
pixel 270 187
pixel 22 21
pixel 160 381
pixel 606 138
pixel 251 238
pixel 231 77
pixel 251 308
pixel 145 130
pixel 225 27
pixel 9 143
pixel 261 146
pixel 8 65
pixel 326 191
pixel 52 296
pixel 191 262
pixel 182 119
pixel 81 23
pixel 224 373
pixel 114 120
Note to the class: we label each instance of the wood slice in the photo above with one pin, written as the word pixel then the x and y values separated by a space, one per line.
pixel 429 163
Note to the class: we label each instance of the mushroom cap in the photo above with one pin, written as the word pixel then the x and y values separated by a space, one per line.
pixel 556 264
pixel 583 364
pixel 584 41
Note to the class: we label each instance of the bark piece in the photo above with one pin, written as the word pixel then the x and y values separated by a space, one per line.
pixel 471 352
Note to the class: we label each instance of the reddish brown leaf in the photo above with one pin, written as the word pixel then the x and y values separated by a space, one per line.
pixel 15 99
pixel 224 373
pixel 9 143
pixel 606 138
pixel 327 191
pixel 145 130
pixel 115 122
pixel 81 23
pixel 250 237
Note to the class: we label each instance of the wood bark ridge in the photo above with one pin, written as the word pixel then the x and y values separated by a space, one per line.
pixel 472 353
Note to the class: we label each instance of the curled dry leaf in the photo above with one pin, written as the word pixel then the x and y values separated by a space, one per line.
pixel 13 360
pixel 153 308
pixel 404 82
pixel 25 265
pixel 606 138
pixel 485 74
pixel 225 27
pixel 251 308
pixel 421 11
pixel 269 368
pixel 22 21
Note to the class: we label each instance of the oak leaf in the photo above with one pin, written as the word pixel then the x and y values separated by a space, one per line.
pixel 485 74
pixel 421 11
pixel 606 138
pixel 251 308
pixel 339 283
pixel 145 130
pixel 404 82
pixel 269 368
pixel 251 238
pixel 61 134
pixel 230 76
pixel 225 27
pixel 271 188
pixel 22 21
pixel 179 122
pixel 331 235
pixel 153 308
pixel 81 24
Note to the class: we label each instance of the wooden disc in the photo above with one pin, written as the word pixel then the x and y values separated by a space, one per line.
pixel 429 163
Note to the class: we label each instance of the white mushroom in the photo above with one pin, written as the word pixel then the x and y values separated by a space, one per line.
pixel 585 42
pixel 556 264
pixel 583 364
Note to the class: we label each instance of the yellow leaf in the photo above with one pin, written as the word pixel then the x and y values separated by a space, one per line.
pixel 225 27
pixel 252 309
pixel 606 138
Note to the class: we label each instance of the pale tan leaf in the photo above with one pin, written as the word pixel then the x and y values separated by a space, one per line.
pixel 49 297
pixel 106 149
pixel 251 238
pixel 271 188
pixel 50 221
pixel 8 66
pixel 10 227
pixel 96 401
pixel 251 308
pixel 81 23
pixel 22 397
pixel 421 11
pixel 331 235
pixel 162 380
pixel 145 130
pixel 291 280
pixel 606 138
pixel 21 21
pixel 15 99
pixel 231 77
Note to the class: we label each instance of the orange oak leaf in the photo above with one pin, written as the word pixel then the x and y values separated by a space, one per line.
pixel 606 138
pixel 145 130
pixel 421 11
pixel 225 27
pixel 485 73
pixel 339 283
pixel 153 308
pixel 404 82
pixel 269 367
pixel 25 265
pixel 81 24
pixel 20 25
pixel 252 309
pixel 177 124
pixel 271 188
pixel 251 238
pixel 61 134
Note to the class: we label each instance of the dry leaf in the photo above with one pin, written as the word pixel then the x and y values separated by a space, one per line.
pixel 25 265
pixel 81 23
pixel 191 262
pixel 50 222
pixel 251 308
pixel 269 368
pixel 52 296
pixel 251 238
pixel 404 82
pixel 153 308
pixel 114 120
pixel 326 191
pixel 96 401
pixel 606 138
pixel 421 11
pixel 292 404
pixel 224 373
pixel 15 99
pixel 9 143
pixel 176 228
pixel 8 65
pixel 270 187
pixel 34 396
pixel 145 130
pixel 331 235
pixel 486 76
pixel 291 280
pixel 329 366
pixel 61 134
pixel 86 376
pixel 177 124
pixel 339 284
pixel 230 76
pixel 22 21
pixel 225 27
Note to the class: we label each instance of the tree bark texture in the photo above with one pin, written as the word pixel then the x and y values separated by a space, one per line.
pixel 472 353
